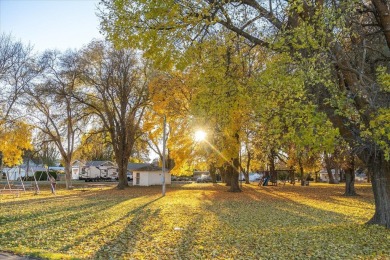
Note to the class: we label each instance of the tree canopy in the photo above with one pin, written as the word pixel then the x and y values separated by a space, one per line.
pixel 339 48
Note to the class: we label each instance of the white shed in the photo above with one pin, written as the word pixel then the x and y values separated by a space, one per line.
pixel 149 175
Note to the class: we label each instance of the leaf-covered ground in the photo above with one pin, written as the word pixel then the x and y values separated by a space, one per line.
pixel 194 221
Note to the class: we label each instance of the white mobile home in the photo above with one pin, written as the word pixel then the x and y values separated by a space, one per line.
pixel 95 170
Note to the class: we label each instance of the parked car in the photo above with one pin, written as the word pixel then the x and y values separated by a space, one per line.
pixel 204 178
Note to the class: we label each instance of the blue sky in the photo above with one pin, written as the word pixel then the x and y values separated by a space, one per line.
pixel 50 24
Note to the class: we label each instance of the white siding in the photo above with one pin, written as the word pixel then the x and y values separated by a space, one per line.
pixel 154 178
pixel 75 173
pixel 151 178
pixel 13 173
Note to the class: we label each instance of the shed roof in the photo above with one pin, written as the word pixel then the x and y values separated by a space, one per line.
pixel 149 168
pixel 142 167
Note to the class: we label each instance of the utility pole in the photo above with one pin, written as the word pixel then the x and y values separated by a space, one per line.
pixel 163 159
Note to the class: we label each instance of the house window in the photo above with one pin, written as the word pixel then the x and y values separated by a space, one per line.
pixel 137 178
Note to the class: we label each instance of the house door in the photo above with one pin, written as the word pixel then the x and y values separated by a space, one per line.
pixel 137 178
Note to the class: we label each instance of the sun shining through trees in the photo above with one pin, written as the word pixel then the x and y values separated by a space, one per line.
pixel 261 79
pixel 200 136
pixel 287 93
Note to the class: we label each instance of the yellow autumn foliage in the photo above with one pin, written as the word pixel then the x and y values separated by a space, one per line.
pixel 14 138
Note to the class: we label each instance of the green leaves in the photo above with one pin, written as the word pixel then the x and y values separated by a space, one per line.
pixel 290 121
pixel 383 78
pixel 380 130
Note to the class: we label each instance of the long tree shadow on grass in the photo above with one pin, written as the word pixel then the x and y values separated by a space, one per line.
pixel 124 243
pixel 58 222
pixel 277 226
pixel 332 200
pixel 73 211
pixel 200 187
pixel 55 203
pixel 47 198
pixel 259 223
pixel 48 206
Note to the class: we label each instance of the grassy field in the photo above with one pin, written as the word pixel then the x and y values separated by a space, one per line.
pixel 194 221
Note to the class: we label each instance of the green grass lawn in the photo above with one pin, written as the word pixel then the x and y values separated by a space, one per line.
pixel 194 221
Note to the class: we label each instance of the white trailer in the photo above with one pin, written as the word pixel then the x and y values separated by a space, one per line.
pixel 98 171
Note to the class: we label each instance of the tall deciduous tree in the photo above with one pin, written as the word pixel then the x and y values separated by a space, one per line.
pixel 116 93
pixel 52 107
pixel 17 70
pixel 344 41
pixel 221 99
pixel 169 98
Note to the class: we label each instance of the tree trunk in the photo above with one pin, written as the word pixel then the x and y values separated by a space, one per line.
pixel 329 169
pixel 349 183
pixel 381 188
pixel 212 171
pixel 330 175
pixel 382 14
pixel 234 187
pixel 246 172
pixel 222 173
pixel 272 172
pixel 301 173
pixel 349 172
pixel 228 174
pixel 292 177
pixel 122 173
pixel 342 175
pixel 246 175
pixel 337 174
pixel 68 175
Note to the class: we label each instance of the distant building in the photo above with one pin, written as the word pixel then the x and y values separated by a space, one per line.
pixel 146 174
pixel 23 170
pixel 199 174
pixel 94 170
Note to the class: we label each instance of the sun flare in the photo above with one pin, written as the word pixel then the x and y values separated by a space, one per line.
pixel 200 135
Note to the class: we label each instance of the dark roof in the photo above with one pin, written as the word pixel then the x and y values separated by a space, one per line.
pixel 78 163
pixel 149 168
pixel 142 167
pixel 98 163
